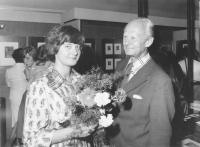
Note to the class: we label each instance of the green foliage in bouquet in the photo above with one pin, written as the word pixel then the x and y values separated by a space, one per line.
pixel 96 96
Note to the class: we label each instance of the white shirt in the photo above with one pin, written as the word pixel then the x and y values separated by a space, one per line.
pixel 196 68
pixel 138 64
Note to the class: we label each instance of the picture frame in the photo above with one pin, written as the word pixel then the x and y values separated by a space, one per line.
pixel 6 51
pixel 185 45
pixel 117 49
pixel 109 64
pixel 39 44
pixel 89 44
pixel 108 48
pixel 116 61
pixel 36 41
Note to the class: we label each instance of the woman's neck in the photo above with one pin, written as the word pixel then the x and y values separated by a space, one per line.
pixel 64 71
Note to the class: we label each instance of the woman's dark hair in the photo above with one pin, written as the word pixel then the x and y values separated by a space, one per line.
pixel 31 51
pixel 61 34
pixel 16 55
pixel 42 55
pixel 86 60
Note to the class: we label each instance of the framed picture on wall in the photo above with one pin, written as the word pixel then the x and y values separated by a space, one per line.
pixel 9 51
pixel 109 64
pixel 116 61
pixel 185 45
pixel 90 42
pixel 117 49
pixel 36 41
pixel 108 48
pixel 6 51
pixel 40 43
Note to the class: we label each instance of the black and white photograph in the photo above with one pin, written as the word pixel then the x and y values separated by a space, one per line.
pixel 116 61
pixel 40 43
pixel 100 73
pixel 109 64
pixel 117 49
pixel 6 50
pixel 9 51
pixel 108 49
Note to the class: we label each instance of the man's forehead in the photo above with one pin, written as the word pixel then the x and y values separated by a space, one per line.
pixel 134 28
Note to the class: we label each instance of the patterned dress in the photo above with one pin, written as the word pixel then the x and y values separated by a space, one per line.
pixel 45 110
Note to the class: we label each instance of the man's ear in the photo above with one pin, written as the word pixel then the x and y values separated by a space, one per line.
pixel 149 42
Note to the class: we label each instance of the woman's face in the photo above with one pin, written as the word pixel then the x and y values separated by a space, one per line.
pixel 68 54
pixel 28 60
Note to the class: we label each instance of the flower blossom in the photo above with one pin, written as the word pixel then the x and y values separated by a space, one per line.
pixel 102 99
pixel 102 111
pixel 86 97
pixel 106 121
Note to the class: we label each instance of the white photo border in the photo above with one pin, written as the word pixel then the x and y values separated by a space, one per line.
pixel 117 60
pixel 117 48
pixel 109 64
pixel 89 44
pixel 40 43
pixel 108 49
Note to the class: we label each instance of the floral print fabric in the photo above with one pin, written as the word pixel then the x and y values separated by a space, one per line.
pixel 45 110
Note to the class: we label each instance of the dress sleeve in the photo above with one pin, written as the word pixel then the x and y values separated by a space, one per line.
pixel 7 78
pixel 36 132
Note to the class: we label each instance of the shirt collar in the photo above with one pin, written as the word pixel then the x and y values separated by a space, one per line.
pixel 55 80
pixel 140 62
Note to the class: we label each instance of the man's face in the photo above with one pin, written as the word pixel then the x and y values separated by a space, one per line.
pixel 28 60
pixel 135 39
pixel 68 54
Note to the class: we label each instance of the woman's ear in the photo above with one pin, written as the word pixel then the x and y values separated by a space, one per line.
pixel 149 42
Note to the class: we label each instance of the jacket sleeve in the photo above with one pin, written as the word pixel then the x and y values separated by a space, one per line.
pixel 162 111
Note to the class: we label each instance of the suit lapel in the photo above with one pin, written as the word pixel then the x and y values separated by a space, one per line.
pixel 122 65
pixel 140 77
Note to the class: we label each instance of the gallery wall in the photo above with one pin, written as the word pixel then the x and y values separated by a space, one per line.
pixel 22 33
pixel 111 33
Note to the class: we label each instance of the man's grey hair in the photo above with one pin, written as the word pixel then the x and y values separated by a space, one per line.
pixel 149 25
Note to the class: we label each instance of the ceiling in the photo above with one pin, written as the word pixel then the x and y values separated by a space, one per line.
pixel 163 8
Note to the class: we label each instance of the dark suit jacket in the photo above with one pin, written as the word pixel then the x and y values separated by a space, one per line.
pixel 150 104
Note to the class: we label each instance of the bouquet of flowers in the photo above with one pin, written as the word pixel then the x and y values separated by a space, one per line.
pixel 96 96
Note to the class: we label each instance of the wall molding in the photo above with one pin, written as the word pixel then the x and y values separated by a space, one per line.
pixel 110 16
pixel 57 16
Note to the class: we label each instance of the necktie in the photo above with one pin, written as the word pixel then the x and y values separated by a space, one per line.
pixel 126 74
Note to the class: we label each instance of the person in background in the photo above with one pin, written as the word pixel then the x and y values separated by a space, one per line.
pixel 16 81
pixel 144 119
pixel 36 71
pixel 183 62
pixel 45 109
pixel 29 55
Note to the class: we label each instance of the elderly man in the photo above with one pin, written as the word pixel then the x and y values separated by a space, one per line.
pixel 145 117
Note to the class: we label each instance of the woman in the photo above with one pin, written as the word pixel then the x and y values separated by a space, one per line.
pixel 45 108
pixel 16 81
pixel 29 55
